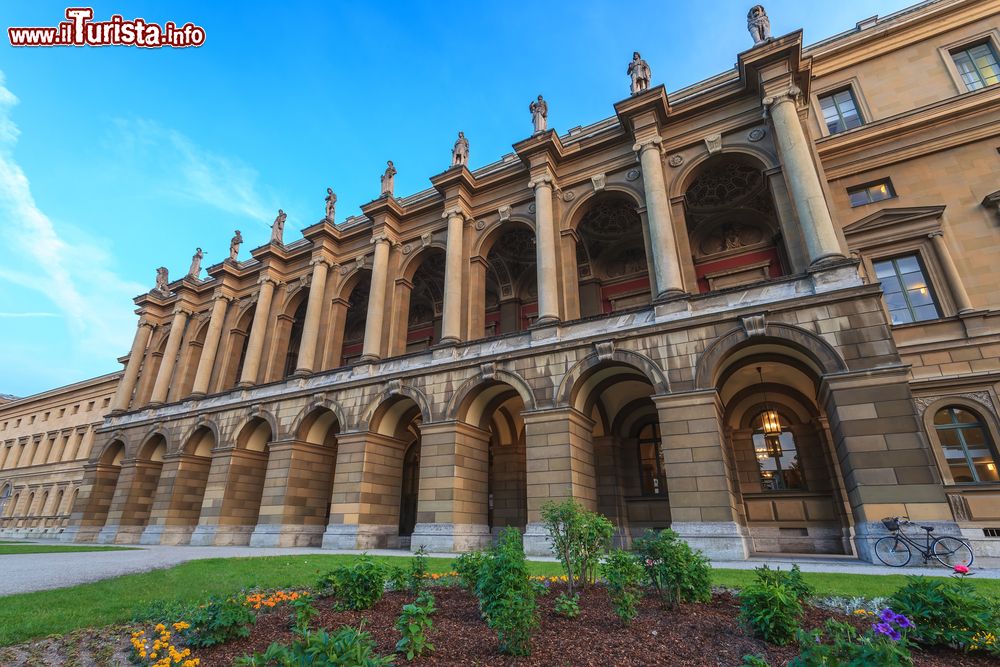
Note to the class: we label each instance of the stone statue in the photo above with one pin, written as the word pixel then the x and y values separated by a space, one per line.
pixel 234 246
pixel 195 270
pixel 460 153
pixel 758 24
pixel 731 238
pixel 388 178
pixel 278 228
pixel 638 69
pixel 331 204
pixel 162 280
pixel 539 114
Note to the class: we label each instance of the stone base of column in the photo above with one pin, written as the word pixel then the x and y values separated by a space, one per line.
pixel 284 535
pixel 669 295
pixel 107 535
pixel 242 384
pixel 719 540
pixel 448 341
pixel 866 533
pixel 353 536
pixel 167 535
pixel 129 534
pixel 834 274
pixel 537 541
pixel 302 372
pixel 674 306
pixel 369 358
pixel 78 534
pixel 827 260
pixel 195 395
pixel 450 537
pixel 545 321
pixel 221 536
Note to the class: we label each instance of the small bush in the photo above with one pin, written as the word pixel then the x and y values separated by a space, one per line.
pixel 506 596
pixel 413 624
pixel 840 644
pixel 791 579
pixel 624 575
pixel 770 611
pixel 579 537
pixel 949 612
pixel 218 621
pixel 468 566
pixel 357 586
pixel 568 605
pixel 678 572
pixel 305 612
pixel 347 647
pixel 397 578
pixel 418 571
pixel 755 661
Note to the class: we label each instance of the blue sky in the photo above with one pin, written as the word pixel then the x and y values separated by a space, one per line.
pixel 116 160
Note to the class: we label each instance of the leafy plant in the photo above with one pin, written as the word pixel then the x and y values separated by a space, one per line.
pixel 949 612
pixel 791 579
pixel 840 644
pixel 755 661
pixel 624 575
pixel 218 621
pixel 397 578
pixel 467 566
pixel 771 611
pixel 347 647
pixel 506 596
pixel 678 572
pixel 357 586
pixel 305 612
pixel 418 571
pixel 568 605
pixel 579 537
pixel 413 624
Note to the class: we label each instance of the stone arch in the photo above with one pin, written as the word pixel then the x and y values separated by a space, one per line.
pixel 304 417
pixel 185 443
pixel 579 207
pixel 113 452
pixel 413 260
pixel 570 382
pixel 467 391
pixel 395 390
pixel 482 246
pixel 351 308
pixel 252 435
pixel 825 359
pixel 151 446
pixel 692 168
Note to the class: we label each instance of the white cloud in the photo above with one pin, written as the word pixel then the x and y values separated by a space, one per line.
pixel 26 315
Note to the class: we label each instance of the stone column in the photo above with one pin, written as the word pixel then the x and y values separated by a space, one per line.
pixel 90 512
pixel 258 329
pixel 666 268
pixel 232 497
pixel 296 495
pixel 372 350
pixel 132 503
pixel 206 363
pixel 453 500
pixel 545 251
pixel 803 180
pixel 177 504
pixel 704 506
pixel 314 309
pixel 958 292
pixel 559 456
pixel 123 394
pixel 451 324
pixel 165 374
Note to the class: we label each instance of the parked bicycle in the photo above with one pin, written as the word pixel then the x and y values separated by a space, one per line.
pixel 894 550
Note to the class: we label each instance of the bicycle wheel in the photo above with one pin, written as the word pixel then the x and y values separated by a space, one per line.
pixel 892 551
pixel 951 551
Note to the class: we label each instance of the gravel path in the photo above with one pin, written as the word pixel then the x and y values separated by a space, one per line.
pixel 35 572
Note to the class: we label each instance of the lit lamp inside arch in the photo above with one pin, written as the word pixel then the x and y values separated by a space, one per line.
pixel 770 424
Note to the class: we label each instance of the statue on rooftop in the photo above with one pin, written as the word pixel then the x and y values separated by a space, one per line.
pixel 162 280
pixel 758 24
pixel 460 153
pixel 388 178
pixel 278 228
pixel 539 114
pixel 195 270
pixel 234 246
pixel 638 69
pixel 331 204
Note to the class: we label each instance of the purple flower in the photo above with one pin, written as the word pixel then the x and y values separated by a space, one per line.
pixel 903 621
pixel 887 615
pixel 882 628
pixel 894 635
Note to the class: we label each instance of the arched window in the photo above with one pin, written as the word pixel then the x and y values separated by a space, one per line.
pixel 777 458
pixel 4 499
pixel 653 481
pixel 967 448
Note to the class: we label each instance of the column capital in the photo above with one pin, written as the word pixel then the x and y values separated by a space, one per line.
pixel 145 323
pixel 222 296
pixel 454 212
pixel 542 179
pixel 380 238
pixel 791 94
pixel 268 279
pixel 936 234
pixel 186 312
pixel 316 261
pixel 654 142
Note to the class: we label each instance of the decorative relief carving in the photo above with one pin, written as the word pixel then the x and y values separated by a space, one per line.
pixel 713 143
pixel 480 225
pixel 504 212
pixel 632 175
pixel 754 325
pixel 599 182
pixel 407 249
pixel 531 207
pixel 676 160
pixel 756 134
pixel 981 397
pixel 488 371
pixel 425 239
pixel 730 237
pixel 604 349
pixel 569 196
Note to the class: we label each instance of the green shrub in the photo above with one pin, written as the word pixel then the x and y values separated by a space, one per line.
pixel 357 586
pixel 568 605
pixel 218 621
pixel 397 578
pixel 791 579
pixel 770 611
pixel 413 624
pixel 678 572
pixel 506 597
pixel 418 571
pixel 840 644
pixel 347 647
pixel 755 661
pixel 468 566
pixel 624 575
pixel 305 612
pixel 579 538
pixel 949 612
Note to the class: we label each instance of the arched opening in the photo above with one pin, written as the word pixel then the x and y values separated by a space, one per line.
pixel 969 452
pixel 239 339
pixel 628 461
pixel 422 298
pixel 179 497
pixel 355 318
pixel 511 281
pixel 6 508
pixel 290 329
pixel 611 257
pixel 57 507
pixel 396 424
pixel 732 223
pixel 315 488
pixel 784 468
pixel 247 468
pixel 106 474
pixel 131 513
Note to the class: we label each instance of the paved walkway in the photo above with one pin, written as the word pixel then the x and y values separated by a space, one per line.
pixel 33 572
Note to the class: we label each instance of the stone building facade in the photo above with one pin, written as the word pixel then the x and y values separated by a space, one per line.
pixel 761 310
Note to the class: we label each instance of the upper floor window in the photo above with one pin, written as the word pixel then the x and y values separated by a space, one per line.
pixel 654 482
pixel 840 111
pixel 870 193
pixel 977 65
pixel 907 293
pixel 966 445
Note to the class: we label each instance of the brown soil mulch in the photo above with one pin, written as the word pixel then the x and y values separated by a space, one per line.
pixel 697 634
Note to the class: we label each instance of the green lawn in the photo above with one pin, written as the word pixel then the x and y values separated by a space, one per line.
pixel 12 548
pixel 31 615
